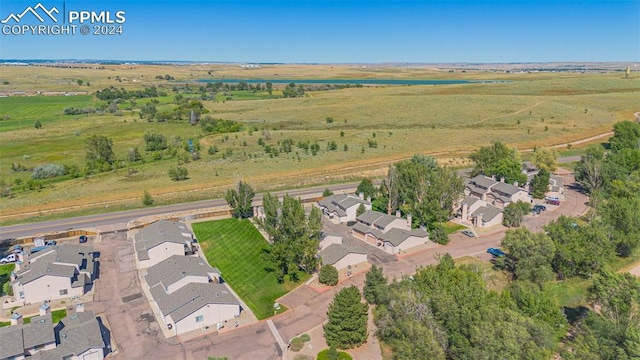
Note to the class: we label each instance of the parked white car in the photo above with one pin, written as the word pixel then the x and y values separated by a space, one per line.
pixel 9 259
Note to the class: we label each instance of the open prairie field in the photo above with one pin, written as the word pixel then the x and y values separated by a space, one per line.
pixel 370 127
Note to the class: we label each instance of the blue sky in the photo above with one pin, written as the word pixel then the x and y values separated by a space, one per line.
pixel 349 31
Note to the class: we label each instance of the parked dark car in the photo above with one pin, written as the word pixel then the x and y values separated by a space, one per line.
pixel 496 252
pixel 539 208
pixel 83 239
pixel 553 201
pixel 50 243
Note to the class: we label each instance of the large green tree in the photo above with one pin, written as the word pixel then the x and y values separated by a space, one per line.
pixel 294 236
pixel 366 188
pixel 545 158
pixel 500 161
pixel 240 200
pixel 347 325
pixel 590 169
pixel 375 286
pixel 626 135
pixel 540 184
pixel 514 213
pixel 529 255
pixel 99 152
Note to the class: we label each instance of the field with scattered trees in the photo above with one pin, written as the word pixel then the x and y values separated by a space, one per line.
pixel 134 128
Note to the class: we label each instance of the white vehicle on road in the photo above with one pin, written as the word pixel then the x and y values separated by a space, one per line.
pixel 9 259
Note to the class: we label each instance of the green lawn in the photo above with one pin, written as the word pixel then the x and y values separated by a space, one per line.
pixel 5 275
pixel 570 292
pixel 451 227
pixel 235 247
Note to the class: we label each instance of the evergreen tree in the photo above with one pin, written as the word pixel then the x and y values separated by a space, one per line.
pixel 328 275
pixel 540 184
pixel 240 200
pixel 347 326
pixel 375 286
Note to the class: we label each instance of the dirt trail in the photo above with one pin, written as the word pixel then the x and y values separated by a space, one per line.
pixel 505 115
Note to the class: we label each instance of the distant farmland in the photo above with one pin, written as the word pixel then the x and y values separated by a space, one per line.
pixel 358 131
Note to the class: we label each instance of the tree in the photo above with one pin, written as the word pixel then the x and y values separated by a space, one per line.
pixel 360 210
pixel 147 200
pixel 545 158
pixel 327 192
pixel 134 155
pixel 80 82
pixel 438 235
pixel 529 255
pixel 99 152
pixel 540 184
pixel 580 250
pixel 514 213
pixel 366 188
pixel 498 160
pixel 178 173
pixel 617 296
pixel 375 286
pixel 328 275
pixel 391 190
pixel 347 325
pixel 269 87
pixel 240 200
pixel 533 302
pixel 155 141
pixel 589 171
pixel 294 236
pixel 626 136
pixel 37 124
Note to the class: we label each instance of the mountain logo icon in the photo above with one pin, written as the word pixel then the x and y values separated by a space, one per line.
pixel 34 11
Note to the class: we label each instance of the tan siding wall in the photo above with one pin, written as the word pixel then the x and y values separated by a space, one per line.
pixel 164 251
pixel 48 288
pixel 212 313
pixel 350 259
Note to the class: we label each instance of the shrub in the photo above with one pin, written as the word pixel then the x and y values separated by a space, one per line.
pixel 324 355
pixel 147 200
pixel 48 171
pixel 305 337
pixel 37 124
pixel 328 275
pixel 7 289
pixel 212 149
pixel 178 173
pixel 329 120
pixel 327 192
pixel 296 344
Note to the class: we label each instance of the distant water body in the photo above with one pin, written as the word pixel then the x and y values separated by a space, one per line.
pixel 350 81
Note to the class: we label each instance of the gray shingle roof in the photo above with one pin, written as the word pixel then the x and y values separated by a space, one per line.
pixel 470 200
pixel 364 229
pixel 39 331
pixel 340 203
pixel 190 298
pixel 11 343
pixel 488 212
pixel 77 333
pixel 158 233
pixel 375 218
pixel 334 252
pixel 60 260
pixel 482 181
pixel 171 270
pixel 398 236
pixel 506 188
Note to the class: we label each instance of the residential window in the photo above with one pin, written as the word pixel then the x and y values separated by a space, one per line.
pixel 63 292
pixel 199 318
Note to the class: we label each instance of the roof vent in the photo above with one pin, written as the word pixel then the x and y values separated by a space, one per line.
pixel 64 335
pixel 74 317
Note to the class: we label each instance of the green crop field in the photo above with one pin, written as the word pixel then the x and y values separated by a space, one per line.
pixel 372 127
pixel 235 247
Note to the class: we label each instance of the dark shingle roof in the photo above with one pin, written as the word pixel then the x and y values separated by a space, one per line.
pixel 334 252
pixel 171 270
pixel 340 203
pixel 190 298
pixel 506 188
pixel 364 229
pixel 470 200
pixel 77 333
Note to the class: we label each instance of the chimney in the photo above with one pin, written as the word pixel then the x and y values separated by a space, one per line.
pixel 502 179
pixel 16 319
pixel 465 211
pixel 409 221
pixel 361 196
pixel 44 309
pixel 369 199
pixel 493 177
pixel 80 308
pixel 515 183
pixel 398 213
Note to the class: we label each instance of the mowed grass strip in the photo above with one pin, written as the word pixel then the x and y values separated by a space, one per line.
pixel 236 247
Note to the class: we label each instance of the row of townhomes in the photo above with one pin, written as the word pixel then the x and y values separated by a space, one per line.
pixel 78 336
pixel 56 272
pixel 486 197
pixel 185 292
pixel 389 233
